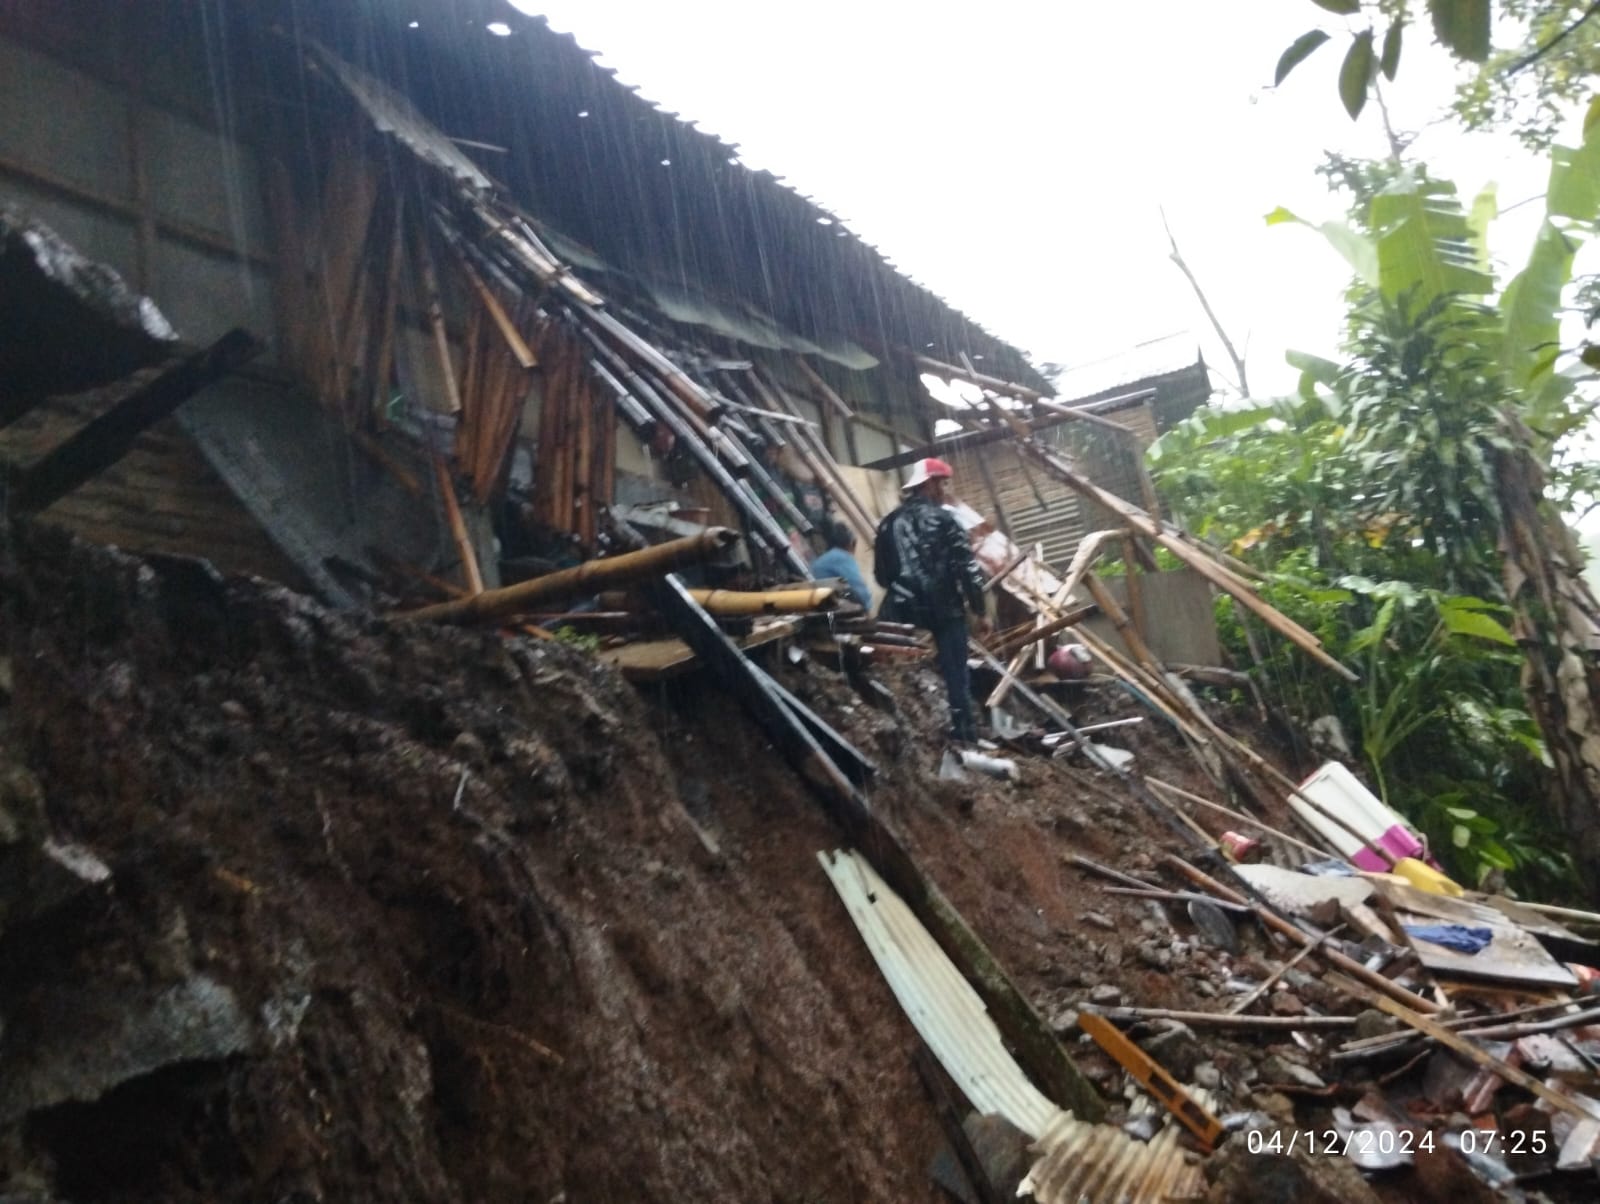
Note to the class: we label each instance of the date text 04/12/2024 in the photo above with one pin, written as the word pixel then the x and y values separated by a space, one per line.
pixel 1394 1141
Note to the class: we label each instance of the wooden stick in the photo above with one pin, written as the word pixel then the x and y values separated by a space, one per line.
pixel 434 308
pixel 1224 579
pixel 587 578
pixel 1022 556
pixel 1240 816
pixel 839 404
pixel 514 341
pixel 1393 991
pixel 1125 628
pixel 1385 1042
pixel 1239 1008
pixel 1172 896
pixel 1105 871
pixel 1454 1041
pixel 458 528
pixel 1071 618
pixel 1227 1019
pixel 951 371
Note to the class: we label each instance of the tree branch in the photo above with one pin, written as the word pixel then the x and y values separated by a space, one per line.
pixel 1530 59
pixel 1216 324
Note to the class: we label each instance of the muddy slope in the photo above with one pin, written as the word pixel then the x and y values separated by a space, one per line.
pixel 399 914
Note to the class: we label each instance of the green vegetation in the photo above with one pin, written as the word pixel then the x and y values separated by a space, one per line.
pixel 1403 501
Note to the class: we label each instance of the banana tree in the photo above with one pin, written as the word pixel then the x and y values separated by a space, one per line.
pixel 1424 252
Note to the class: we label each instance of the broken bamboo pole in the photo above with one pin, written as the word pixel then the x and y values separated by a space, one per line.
pixel 1391 991
pixel 434 308
pixel 587 578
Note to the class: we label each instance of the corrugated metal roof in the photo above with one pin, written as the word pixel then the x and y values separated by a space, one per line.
pixel 393 114
pixel 940 1003
pixel 1101 1164
pixel 1079 1163
pixel 1155 357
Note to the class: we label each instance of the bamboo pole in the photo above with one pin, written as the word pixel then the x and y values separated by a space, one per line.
pixel 1238 816
pixel 458 527
pixel 729 603
pixel 940 368
pixel 1226 580
pixel 382 369
pixel 819 461
pixel 587 578
pixel 1119 618
pixel 839 404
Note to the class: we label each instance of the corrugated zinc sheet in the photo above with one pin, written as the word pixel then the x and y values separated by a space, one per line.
pixel 939 1002
pixel 1100 1164
pixel 393 114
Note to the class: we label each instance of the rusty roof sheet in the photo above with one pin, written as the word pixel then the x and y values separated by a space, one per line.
pixel 940 1003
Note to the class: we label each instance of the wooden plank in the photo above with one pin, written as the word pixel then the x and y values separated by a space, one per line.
pixel 1459 1044
pixel 1154 1078
pixel 108 438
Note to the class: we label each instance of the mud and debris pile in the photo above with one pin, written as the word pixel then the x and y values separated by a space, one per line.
pixel 299 905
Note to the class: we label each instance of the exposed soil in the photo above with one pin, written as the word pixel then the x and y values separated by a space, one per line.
pixel 413 860
pixel 401 913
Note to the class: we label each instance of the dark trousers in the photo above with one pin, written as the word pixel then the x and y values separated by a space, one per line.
pixel 950 638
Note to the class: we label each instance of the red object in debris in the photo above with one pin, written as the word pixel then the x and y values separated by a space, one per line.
pixel 1070 662
pixel 1238 847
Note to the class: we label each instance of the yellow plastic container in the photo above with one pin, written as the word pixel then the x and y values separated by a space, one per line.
pixel 1424 877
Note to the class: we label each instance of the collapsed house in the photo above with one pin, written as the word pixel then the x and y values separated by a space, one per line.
pixel 476 336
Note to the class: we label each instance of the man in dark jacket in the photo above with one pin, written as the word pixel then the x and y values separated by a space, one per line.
pixel 925 564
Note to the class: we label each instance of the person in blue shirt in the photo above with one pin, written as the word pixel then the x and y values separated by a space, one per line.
pixel 840 561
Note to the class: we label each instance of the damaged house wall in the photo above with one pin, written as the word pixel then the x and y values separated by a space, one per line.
pixel 180 182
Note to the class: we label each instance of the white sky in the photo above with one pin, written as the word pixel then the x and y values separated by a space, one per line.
pixel 1014 156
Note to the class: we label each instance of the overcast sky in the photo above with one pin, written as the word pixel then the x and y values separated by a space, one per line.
pixel 1015 156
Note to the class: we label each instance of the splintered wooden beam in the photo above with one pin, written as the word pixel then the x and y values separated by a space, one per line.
pixel 458 528
pixel 105 440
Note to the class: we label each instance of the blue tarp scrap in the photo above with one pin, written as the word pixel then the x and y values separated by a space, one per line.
pixel 1452 936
